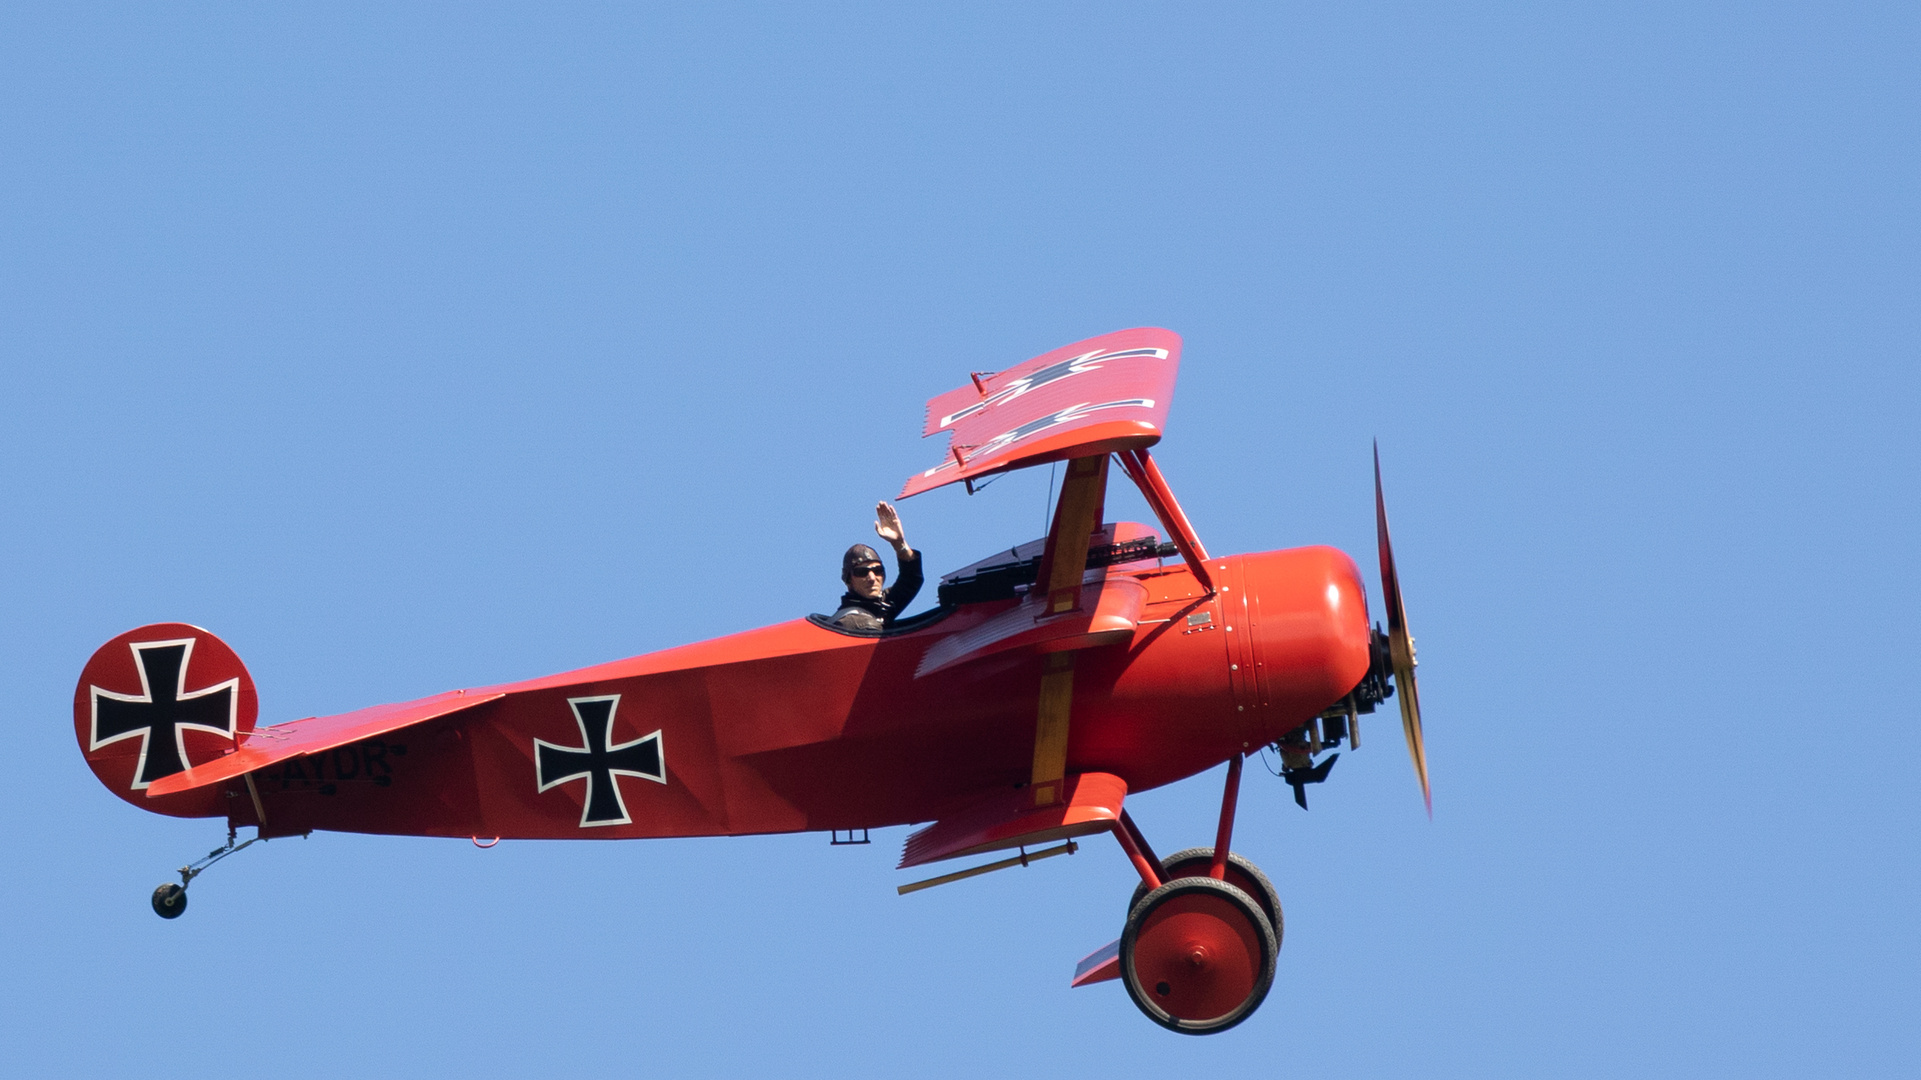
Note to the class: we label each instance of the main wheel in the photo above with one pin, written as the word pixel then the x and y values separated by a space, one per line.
pixel 170 900
pixel 1243 875
pixel 1198 955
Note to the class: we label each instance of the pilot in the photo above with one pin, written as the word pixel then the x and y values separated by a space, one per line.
pixel 868 604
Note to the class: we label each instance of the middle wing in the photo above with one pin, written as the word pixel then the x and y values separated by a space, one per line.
pixel 1007 819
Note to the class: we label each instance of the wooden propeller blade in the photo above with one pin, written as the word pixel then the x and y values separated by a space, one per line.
pixel 1399 642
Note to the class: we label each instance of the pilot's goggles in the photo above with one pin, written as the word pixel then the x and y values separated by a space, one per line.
pixel 870 568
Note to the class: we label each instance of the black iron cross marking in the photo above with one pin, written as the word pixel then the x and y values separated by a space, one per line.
pixel 162 710
pixel 598 761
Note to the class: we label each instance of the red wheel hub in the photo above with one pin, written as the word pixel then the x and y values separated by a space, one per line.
pixel 1199 955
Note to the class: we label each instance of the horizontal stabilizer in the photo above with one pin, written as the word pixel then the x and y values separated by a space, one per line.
pixel 1008 819
pixel 1098 396
pixel 1108 613
pixel 267 745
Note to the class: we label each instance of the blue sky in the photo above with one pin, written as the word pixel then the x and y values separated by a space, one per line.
pixel 415 347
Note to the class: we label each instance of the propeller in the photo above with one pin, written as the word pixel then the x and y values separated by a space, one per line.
pixel 1400 643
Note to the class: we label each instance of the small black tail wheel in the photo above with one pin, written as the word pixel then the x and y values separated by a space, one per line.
pixel 170 900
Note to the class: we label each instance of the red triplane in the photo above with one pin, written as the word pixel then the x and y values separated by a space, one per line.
pixel 1052 680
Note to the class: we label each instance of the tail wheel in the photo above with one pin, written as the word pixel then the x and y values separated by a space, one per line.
pixel 170 901
pixel 1243 875
pixel 1198 955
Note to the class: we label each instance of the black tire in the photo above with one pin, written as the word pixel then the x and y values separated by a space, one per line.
pixel 1224 900
pixel 1194 862
pixel 170 900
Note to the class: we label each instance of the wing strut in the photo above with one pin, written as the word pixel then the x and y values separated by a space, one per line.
pixel 1063 565
pixel 1147 476
pixel 1076 515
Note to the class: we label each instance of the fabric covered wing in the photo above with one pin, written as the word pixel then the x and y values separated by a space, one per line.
pixel 1096 396
pixel 268 745
pixel 1007 819
pixel 1109 612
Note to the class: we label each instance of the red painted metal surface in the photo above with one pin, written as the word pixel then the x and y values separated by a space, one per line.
pixel 1146 475
pixel 1224 834
pixel 1139 839
pixel 1137 854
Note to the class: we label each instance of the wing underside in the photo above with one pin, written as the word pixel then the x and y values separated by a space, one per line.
pixel 1099 396
pixel 1007 819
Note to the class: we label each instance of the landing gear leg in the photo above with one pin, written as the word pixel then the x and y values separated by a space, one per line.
pixel 1230 797
pixel 170 900
pixel 1137 850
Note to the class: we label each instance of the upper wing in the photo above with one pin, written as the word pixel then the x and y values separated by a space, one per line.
pixel 264 746
pixel 1098 396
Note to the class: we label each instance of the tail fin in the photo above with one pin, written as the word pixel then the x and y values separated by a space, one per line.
pixel 157 700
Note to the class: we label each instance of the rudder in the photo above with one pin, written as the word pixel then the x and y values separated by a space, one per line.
pixel 157 700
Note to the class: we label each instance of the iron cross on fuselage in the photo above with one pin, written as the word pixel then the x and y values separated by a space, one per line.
pixel 162 710
pixel 599 761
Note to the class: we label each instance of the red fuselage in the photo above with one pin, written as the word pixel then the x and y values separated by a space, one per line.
pixel 797 727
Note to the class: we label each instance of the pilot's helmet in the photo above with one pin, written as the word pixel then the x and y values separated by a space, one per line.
pixel 858 556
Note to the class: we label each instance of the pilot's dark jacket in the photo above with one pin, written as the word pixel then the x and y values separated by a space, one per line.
pixel 856 613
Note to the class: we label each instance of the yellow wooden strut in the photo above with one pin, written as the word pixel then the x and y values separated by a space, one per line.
pixel 1076 516
pixel 1050 731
